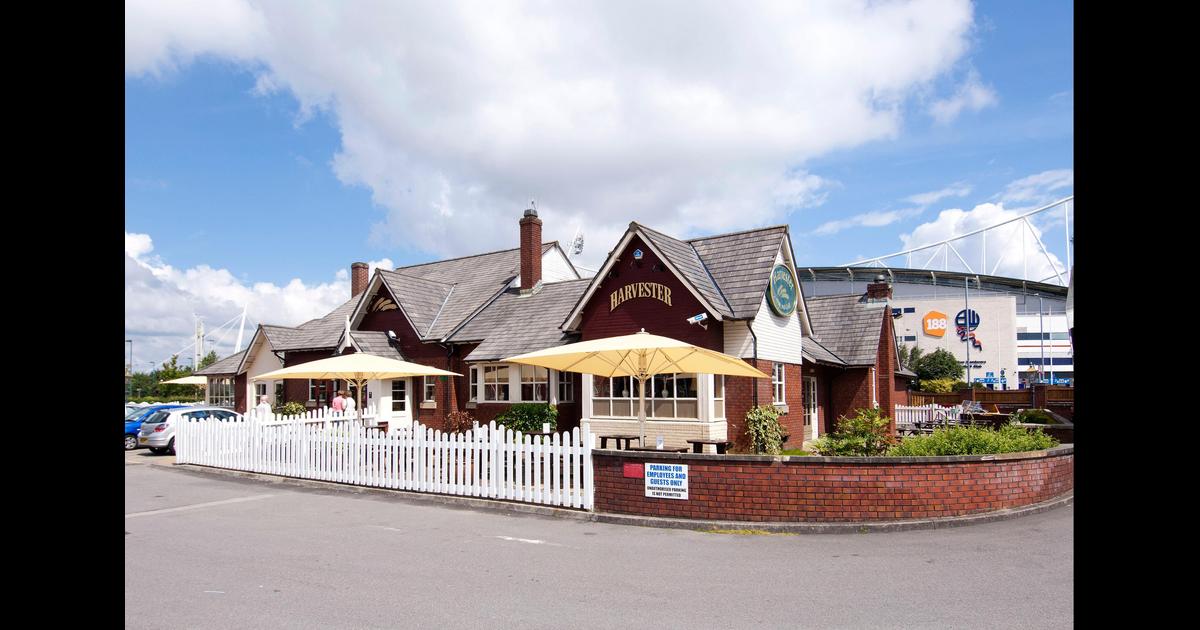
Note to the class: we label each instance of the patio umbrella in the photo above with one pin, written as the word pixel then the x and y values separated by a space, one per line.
pixel 187 380
pixel 640 355
pixel 358 368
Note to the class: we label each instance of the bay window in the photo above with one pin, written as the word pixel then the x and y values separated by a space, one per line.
pixel 667 396
pixel 495 382
pixel 718 395
pixel 535 383
pixel 221 392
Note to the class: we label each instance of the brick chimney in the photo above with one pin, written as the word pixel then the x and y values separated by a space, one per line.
pixel 879 290
pixel 531 250
pixel 358 278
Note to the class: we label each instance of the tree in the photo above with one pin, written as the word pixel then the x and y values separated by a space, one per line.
pixel 938 364
pixel 208 359
pixel 909 355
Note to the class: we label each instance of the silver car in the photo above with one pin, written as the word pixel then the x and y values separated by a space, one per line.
pixel 158 431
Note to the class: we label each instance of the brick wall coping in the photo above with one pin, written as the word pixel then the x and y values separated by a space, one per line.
pixel 1063 449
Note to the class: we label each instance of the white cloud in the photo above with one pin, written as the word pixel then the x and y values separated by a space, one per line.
pixel 693 118
pixel 972 95
pixel 957 189
pixel 1039 189
pixel 868 219
pixel 161 299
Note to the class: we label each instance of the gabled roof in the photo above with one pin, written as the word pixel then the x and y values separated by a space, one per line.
pixel 228 365
pixel 515 324
pixel 683 256
pixel 317 334
pixel 474 281
pixel 281 337
pixel 812 350
pixel 421 299
pixel 741 264
pixel 847 326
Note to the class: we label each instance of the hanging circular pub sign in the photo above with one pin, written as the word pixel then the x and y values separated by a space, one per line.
pixel 782 293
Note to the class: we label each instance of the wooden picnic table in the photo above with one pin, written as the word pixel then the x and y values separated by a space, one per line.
pixel 665 449
pixel 698 445
pixel 619 437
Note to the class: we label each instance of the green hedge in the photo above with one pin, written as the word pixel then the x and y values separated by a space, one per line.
pixel 766 434
pixel 973 441
pixel 154 400
pixel 529 417
pixel 865 434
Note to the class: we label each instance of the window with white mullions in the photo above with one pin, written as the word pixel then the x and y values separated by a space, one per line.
pixel 221 392
pixel 495 382
pixel 430 388
pixel 718 395
pixel 400 394
pixel 566 387
pixel 810 401
pixel 535 383
pixel 474 385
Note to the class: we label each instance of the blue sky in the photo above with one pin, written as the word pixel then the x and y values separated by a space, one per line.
pixel 257 160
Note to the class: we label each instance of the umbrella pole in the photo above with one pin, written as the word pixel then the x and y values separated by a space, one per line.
pixel 642 408
pixel 361 383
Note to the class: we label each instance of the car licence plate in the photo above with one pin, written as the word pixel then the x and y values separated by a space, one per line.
pixel 143 440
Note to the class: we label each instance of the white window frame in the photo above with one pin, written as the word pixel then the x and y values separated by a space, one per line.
pixel 652 397
pixel 473 376
pixel 532 376
pixel 222 392
pixel 779 384
pixel 810 401
pixel 718 378
pixel 429 390
pixel 506 383
pixel 312 388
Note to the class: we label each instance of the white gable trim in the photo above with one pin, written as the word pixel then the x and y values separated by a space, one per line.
pixel 253 339
pixel 372 287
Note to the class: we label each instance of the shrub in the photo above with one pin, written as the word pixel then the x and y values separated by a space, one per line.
pixel 1033 416
pixel 459 422
pixel 973 441
pixel 938 364
pixel 866 434
pixel 166 399
pixel 766 434
pixel 938 385
pixel 290 409
pixel 529 417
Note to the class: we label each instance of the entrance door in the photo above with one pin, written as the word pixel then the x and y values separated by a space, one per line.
pixel 810 407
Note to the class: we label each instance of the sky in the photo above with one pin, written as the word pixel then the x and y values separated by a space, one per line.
pixel 269 144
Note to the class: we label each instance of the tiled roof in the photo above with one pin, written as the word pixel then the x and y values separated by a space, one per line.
pixel 741 263
pixel 228 365
pixel 684 257
pixel 514 325
pixel 318 333
pixel 282 336
pixel 474 281
pixel 847 326
pixel 420 298
pixel 376 343
pixel 812 350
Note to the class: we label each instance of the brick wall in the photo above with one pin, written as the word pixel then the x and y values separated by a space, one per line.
pixel 739 399
pixel 825 489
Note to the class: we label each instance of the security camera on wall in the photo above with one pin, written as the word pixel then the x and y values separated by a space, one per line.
pixel 699 319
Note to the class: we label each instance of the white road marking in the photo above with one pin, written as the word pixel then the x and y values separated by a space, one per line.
pixel 527 540
pixel 197 506
pixel 221 592
pixel 391 529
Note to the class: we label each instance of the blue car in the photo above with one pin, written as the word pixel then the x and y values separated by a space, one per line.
pixel 134 419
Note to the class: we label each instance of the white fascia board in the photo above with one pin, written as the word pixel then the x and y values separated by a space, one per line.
pixel 372 287
pixel 253 340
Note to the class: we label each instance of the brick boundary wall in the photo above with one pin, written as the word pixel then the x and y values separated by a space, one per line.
pixel 837 489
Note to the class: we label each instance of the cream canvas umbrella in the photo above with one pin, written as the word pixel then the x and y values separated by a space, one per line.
pixel 187 380
pixel 640 355
pixel 358 368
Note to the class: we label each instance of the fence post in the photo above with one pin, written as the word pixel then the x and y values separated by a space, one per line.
pixel 589 443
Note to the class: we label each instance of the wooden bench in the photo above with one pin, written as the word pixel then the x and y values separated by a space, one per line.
pixel 619 438
pixel 665 449
pixel 698 445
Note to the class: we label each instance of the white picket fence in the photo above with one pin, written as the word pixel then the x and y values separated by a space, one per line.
pixel 908 416
pixel 488 461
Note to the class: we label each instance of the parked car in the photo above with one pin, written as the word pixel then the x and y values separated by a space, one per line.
pixel 133 423
pixel 158 431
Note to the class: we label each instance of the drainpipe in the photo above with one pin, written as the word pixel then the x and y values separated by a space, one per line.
pixel 755 338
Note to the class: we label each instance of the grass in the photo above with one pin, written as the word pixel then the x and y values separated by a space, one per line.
pixel 747 532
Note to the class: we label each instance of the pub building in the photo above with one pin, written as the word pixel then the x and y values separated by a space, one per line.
pixel 735 293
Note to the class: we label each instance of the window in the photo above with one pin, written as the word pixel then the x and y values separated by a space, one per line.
pixel 718 395
pixel 777 383
pixel 260 389
pixel 668 396
pixel 1049 361
pixel 810 401
pixel 221 392
pixel 400 394
pixel 430 386
pixel 566 387
pixel 534 383
pixel 474 395
pixel 910 309
pixel 495 382
pixel 1032 336
pixel 910 337
pixel 318 391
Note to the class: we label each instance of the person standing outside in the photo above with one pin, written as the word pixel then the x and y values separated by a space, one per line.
pixel 348 404
pixel 264 407
pixel 338 402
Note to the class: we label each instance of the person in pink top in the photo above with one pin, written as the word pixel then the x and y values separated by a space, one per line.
pixel 338 403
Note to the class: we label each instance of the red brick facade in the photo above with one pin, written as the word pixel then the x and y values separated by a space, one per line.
pixel 843 489
pixel 531 251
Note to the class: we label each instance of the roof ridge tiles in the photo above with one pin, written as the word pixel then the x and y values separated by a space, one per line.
pixel 498 251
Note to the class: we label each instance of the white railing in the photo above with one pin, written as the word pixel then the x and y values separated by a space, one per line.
pixel 908 416
pixel 488 461
pixel 323 415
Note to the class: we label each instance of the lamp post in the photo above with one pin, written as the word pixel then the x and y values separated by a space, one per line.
pixel 129 386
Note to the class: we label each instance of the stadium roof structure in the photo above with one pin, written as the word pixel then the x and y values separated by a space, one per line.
pixel 929 277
